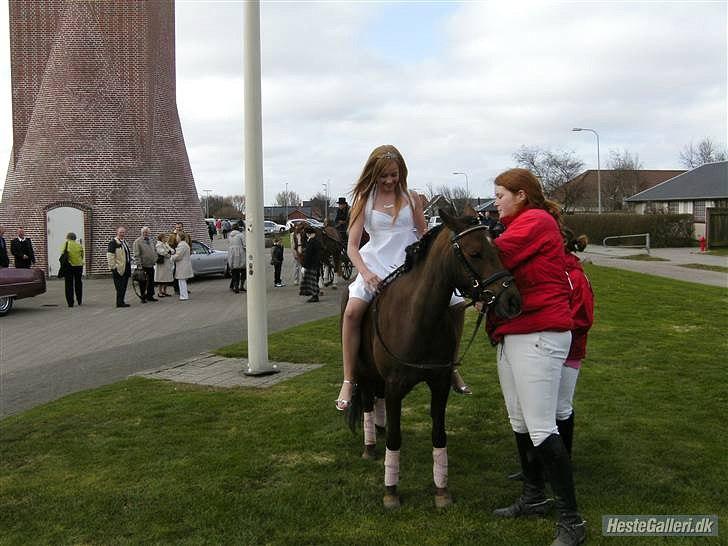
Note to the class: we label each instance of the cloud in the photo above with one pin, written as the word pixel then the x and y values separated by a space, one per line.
pixel 478 82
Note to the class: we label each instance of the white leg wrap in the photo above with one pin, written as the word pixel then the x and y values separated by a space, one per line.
pixel 439 466
pixel 391 468
pixel 370 433
pixel 380 412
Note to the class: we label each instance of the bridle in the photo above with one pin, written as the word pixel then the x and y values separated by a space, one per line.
pixel 479 292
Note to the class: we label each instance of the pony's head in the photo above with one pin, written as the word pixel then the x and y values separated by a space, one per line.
pixel 474 265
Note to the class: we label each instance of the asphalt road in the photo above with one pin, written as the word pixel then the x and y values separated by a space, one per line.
pixel 48 350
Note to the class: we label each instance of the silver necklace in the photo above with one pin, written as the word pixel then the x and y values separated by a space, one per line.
pixel 388 206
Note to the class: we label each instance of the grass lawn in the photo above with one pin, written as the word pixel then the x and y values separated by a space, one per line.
pixel 719 251
pixel 645 258
pixel 718 268
pixel 151 462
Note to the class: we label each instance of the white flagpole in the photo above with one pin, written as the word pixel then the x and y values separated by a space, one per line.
pixel 255 245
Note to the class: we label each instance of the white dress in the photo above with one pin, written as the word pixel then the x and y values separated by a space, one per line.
pixel 385 250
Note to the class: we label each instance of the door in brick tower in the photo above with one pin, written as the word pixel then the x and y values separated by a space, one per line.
pixel 61 221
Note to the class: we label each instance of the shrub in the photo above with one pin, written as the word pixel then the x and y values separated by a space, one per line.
pixel 666 230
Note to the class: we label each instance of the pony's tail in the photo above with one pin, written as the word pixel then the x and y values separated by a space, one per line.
pixel 353 413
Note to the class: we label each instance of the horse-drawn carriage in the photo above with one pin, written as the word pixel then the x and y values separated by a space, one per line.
pixel 334 258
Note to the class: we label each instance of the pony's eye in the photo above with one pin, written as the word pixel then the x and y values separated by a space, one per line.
pixel 476 255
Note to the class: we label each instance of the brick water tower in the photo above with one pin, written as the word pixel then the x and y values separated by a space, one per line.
pixel 97 140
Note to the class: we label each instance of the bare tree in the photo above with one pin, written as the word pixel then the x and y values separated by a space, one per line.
pixel 238 202
pixel 706 151
pixel 456 196
pixel 288 199
pixel 553 169
pixel 320 205
pixel 623 181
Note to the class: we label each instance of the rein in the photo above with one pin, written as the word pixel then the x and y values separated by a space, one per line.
pixel 479 292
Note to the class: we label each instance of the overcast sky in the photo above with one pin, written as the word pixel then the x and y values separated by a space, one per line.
pixel 455 86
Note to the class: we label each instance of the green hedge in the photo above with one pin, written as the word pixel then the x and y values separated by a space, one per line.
pixel 666 230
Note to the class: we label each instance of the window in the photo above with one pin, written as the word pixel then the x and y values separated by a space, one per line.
pixel 673 207
pixel 198 248
pixel 699 211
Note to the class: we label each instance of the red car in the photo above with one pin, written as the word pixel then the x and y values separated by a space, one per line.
pixel 18 284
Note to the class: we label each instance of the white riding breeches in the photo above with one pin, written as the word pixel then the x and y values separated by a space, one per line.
pixel 566 392
pixel 529 369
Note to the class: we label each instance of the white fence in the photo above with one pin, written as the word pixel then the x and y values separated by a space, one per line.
pixel 646 246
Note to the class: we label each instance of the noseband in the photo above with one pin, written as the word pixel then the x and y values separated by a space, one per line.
pixel 479 290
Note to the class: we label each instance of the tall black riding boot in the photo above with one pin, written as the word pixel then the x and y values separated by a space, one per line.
pixel 533 501
pixel 566 431
pixel 571 529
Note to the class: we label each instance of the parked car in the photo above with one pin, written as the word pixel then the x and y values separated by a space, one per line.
pixel 208 261
pixel 292 223
pixel 272 227
pixel 17 284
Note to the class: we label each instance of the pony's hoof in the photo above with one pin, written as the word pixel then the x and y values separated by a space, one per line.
pixel 370 452
pixel 443 500
pixel 391 502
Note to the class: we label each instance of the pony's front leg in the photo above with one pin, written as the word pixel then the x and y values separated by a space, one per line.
pixel 440 391
pixel 391 458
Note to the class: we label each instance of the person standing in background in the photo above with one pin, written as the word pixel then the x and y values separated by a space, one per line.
pixel 74 274
pixel 22 249
pixel 119 257
pixel 182 264
pixel 146 257
pixel 4 259
pixel 277 262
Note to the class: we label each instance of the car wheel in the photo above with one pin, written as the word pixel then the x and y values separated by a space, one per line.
pixel 6 304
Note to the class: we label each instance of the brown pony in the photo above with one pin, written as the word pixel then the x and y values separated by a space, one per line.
pixel 410 334
pixel 332 249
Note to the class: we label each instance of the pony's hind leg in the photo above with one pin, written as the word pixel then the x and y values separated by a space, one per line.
pixel 440 391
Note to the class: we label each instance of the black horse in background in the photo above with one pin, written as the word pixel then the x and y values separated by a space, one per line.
pixel 411 333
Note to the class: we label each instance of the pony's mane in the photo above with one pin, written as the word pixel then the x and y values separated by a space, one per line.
pixel 417 251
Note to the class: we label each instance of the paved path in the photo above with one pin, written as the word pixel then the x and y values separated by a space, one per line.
pixel 48 350
pixel 671 267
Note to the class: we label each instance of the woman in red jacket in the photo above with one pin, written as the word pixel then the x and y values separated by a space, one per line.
pixel 533 347
pixel 582 314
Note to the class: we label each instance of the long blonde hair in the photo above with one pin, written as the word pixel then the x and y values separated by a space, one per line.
pixel 380 158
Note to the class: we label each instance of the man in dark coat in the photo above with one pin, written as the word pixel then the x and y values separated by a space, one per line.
pixel 311 265
pixel 22 249
pixel 341 222
pixel 4 260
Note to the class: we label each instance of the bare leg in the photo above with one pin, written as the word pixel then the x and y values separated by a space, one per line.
pixel 350 340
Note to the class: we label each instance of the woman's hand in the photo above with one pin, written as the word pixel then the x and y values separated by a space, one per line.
pixel 371 279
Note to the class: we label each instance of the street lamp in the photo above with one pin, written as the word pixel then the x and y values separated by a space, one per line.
pixel 599 181
pixel 286 196
pixel 326 203
pixel 207 203
pixel 467 183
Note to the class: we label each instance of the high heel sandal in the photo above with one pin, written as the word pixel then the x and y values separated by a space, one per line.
pixel 458 385
pixel 341 403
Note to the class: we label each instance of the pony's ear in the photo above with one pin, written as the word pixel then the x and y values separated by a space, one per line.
pixel 469 211
pixel 449 220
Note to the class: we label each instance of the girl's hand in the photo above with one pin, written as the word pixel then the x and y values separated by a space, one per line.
pixel 371 279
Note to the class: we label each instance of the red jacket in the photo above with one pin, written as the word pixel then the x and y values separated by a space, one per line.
pixel 532 249
pixel 582 307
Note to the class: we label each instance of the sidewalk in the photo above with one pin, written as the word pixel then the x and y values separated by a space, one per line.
pixel 671 267
pixel 48 350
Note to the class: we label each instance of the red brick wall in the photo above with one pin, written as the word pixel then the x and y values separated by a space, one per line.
pixel 95 122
